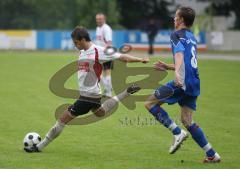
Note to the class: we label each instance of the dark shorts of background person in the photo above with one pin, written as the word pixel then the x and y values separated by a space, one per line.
pixel 83 105
pixel 108 65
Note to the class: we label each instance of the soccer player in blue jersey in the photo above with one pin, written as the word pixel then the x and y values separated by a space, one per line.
pixel 184 89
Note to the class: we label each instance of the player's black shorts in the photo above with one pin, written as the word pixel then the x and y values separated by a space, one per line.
pixel 108 65
pixel 83 105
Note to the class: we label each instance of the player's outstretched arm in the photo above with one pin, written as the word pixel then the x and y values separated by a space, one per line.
pixel 130 58
pixel 162 66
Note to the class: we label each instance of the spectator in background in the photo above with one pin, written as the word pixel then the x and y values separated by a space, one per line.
pixel 152 30
pixel 104 39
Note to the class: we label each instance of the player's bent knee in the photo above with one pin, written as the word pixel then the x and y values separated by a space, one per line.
pixel 100 112
pixel 186 123
pixel 150 102
pixel 66 117
pixel 148 105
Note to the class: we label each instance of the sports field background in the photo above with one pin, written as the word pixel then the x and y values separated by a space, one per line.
pixel 28 105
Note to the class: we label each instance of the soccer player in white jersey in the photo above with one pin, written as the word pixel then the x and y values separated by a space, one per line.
pixel 104 39
pixel 89 72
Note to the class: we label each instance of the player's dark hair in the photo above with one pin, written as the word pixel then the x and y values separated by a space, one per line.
pixel 80 33
pixel 188 15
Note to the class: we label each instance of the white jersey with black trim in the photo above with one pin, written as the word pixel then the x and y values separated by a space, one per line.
pixel 103 35
pixel 90 69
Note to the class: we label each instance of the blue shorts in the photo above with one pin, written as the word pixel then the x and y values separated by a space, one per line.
pixel 178 97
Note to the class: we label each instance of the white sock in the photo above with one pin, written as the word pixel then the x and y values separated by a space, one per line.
pixel 207 147
pixel 112 102
pixel 107 82
pixel 51 135
pixel 103 81
pixel 172 126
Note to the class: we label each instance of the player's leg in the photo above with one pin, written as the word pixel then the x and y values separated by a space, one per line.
pixel 198 135
pixel 109 104
pixel 170 94
pixel 150 43
pixel 56 130
pixel 108 82
pixel 106 78
pixel 82 106
pixel 153 105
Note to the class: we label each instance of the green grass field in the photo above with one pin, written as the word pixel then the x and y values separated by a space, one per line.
pixel 28 105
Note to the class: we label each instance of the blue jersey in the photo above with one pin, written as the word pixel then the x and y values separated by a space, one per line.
pixel 184 41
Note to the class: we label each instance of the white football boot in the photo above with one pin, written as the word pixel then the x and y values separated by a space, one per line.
pixel 215 159
pixel 177 141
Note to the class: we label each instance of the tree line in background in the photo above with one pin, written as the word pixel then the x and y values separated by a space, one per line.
pixel 66 14
pixel 54 14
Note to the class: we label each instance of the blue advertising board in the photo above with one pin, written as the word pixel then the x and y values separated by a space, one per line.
pixel 139 40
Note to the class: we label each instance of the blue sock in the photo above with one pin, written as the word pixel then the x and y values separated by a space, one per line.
pixel 200 139
pixel 210 153
pixel 162 116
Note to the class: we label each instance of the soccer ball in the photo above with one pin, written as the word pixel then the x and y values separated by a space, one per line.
pixel 31 139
